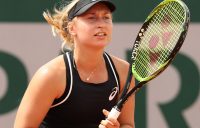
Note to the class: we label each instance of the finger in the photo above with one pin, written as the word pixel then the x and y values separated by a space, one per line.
pixel 102 126
pixel 114 122
pixel 105 112
pixel 107 123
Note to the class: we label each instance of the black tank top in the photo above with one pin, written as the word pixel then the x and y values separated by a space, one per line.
pixel 82 103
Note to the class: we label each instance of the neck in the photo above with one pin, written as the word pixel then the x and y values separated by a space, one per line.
pixel 88 59
pixel 90 65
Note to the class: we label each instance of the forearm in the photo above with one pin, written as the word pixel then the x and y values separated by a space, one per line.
pixel 126 126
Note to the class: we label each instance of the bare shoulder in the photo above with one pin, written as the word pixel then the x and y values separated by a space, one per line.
pixel 54 68
pixel 51 75
pixel 120 63
pixel 45 86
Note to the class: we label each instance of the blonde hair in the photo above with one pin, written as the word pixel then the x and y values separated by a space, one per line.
pixel 59 23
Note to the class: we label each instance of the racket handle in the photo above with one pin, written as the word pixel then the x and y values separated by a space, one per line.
pixel 114 113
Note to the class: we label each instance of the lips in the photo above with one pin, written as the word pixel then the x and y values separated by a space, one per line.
pixel 100 34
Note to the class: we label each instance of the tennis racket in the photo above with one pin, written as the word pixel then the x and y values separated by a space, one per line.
pixel 157 43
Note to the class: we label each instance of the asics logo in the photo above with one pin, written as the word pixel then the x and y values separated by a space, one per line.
pixel 114 93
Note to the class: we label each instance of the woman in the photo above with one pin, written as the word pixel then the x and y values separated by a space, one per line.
pixel 79 88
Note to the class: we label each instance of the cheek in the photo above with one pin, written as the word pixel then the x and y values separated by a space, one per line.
pixel 110 30
pixel 83 33
pixel 83 29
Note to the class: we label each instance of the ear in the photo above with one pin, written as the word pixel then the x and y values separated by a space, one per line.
pixel 71 28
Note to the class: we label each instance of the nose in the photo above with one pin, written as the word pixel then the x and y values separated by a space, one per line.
pixel 101 23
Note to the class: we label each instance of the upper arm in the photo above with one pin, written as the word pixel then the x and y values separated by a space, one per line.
pixel 38 98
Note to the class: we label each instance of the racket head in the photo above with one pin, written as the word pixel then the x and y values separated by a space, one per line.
pixel 159 39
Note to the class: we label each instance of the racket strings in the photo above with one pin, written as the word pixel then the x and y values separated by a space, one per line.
pixel 173 17
pixel 171 27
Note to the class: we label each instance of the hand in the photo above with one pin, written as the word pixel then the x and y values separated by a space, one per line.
pixel 109 122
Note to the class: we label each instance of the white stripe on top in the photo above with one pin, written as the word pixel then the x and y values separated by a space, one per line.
pixel 71 77
pixel 71 82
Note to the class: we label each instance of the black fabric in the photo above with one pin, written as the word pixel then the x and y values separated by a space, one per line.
pixel 83 5
pixel 83 108
pixel 68 81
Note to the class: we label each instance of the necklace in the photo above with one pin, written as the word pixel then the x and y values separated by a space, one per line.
pixel 88 78
pixel 91 73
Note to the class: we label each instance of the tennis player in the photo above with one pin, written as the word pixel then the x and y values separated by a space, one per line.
pixel 79 88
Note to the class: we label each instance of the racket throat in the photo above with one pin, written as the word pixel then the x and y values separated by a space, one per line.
pixel 119 104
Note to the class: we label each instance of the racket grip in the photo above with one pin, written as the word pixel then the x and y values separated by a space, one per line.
pixel 114 113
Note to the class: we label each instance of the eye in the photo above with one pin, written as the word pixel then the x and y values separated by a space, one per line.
pixel 91 17
pixel 107 18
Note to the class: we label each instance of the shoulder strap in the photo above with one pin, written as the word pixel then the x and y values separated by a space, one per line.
pixel 113 69
pixel 69 77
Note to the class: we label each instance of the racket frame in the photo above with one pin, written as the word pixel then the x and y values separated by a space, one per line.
pixel 115 111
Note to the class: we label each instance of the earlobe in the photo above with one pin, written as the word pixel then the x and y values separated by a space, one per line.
pixel 71 29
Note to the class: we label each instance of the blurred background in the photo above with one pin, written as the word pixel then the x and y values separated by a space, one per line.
pixel 26 43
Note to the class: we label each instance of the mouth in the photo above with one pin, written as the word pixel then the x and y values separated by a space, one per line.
pixel 100 34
